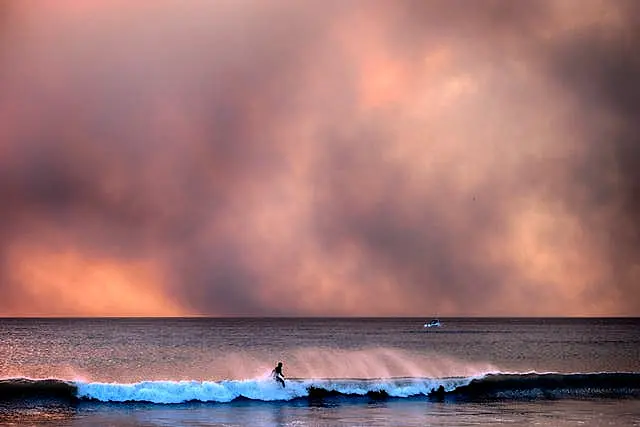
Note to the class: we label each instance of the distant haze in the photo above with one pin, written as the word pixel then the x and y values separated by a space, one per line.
pixel 285 157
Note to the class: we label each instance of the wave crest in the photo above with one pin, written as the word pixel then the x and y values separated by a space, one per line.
pixel 486 387
pixel 261 389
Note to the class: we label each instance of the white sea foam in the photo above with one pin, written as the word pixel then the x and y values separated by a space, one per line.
pixel 264 389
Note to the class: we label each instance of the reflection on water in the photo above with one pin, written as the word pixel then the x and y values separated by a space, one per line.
pixel 414 412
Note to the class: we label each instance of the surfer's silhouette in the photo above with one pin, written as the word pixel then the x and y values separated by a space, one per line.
pixel 438 394
pixel 277 374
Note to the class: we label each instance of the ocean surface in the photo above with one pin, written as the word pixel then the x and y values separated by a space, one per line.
pixel 373 372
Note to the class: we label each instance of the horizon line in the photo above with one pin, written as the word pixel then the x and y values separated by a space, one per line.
pixel 346 317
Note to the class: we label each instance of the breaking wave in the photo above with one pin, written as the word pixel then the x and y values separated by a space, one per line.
pixel 486 387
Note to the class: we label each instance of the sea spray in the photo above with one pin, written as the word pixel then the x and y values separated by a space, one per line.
pixel 372 362
pixel 309 362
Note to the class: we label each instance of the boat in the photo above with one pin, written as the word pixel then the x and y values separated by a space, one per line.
pixel 435 323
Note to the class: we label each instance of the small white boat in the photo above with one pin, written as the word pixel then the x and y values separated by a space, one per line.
pixel 435 323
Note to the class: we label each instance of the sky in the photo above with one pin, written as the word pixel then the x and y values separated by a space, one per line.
pixel 319 158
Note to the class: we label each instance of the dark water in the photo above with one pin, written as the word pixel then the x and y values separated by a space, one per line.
pixel 340 371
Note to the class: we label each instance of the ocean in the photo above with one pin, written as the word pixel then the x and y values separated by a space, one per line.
pixel 339 371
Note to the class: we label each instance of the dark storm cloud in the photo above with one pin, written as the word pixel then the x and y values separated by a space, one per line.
pixel 91 152
pixel 434 240
pixel 430 240
pixel 600 66
pixel 417 239
pixel 192 135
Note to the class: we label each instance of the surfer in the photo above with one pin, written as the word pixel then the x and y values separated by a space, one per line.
pixel 438 394
pixel 277 374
